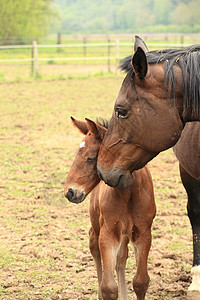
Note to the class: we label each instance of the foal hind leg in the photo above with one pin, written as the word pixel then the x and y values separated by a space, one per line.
pixel 192 187
pixel 120 268
pixel 141 278
pixel 94 249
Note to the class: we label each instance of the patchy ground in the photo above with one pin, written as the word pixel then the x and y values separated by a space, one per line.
pixel 44 250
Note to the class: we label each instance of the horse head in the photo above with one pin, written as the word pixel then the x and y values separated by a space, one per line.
pixel 145 120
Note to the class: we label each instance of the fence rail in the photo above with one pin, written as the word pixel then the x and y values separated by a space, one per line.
pixel 112 52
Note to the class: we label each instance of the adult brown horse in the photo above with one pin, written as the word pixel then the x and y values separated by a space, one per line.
pixel 159 95
pixel 116 216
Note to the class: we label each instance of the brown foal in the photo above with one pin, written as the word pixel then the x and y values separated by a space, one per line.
pixel 117 216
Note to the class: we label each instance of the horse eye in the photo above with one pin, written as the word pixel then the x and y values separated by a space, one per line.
pixel 120 112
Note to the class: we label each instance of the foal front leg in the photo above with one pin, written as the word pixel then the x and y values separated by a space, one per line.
pixel 109 246
pixel 94 249
pixel 141 278
pixel 120 268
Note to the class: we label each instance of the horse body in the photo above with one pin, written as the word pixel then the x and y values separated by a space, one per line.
pixel 187 149
pixel 117 217
pixel 159 95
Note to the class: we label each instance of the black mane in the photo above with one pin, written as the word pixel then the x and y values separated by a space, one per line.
pixel 188 59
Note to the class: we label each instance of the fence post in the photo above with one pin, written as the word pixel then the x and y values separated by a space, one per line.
pixel 59 38
pixel 182 40
pixel 117 54
pixel 84 47
pixel 108 55
pixel 32 61
pixel 59 42
pixel 35 64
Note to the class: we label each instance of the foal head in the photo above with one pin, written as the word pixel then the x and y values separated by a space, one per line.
pixel 82 177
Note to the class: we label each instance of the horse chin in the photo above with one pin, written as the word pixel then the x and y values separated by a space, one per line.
pixel 116 178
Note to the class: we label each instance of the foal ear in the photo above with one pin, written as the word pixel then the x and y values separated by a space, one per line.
pixel 98 130
pixel 140 43
pixel 139 63
pixel 82 126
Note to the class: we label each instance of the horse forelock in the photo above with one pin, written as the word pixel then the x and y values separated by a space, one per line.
pixel 188 59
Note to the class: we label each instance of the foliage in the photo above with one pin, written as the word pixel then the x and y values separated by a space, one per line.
pixel 128 15
pixel 25 19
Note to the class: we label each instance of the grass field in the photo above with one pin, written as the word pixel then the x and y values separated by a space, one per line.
pixel 43 238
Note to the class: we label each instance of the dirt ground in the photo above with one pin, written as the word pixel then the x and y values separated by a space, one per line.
pixel 44 251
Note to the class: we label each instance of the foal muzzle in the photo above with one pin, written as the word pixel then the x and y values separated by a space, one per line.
pixel 74 195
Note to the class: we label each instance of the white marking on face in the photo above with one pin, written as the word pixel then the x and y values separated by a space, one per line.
pixel 82 145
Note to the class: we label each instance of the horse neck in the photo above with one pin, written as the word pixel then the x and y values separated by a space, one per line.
pixel 187 98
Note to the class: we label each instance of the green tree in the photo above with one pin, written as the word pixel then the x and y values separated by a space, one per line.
pixel 25 19
pixel 187 13
pixel 129 15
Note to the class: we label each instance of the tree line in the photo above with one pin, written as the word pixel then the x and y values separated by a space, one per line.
pixel 29 19
pixel 26 19
pixel 129 16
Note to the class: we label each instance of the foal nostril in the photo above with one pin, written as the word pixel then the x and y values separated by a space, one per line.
pixel 70 194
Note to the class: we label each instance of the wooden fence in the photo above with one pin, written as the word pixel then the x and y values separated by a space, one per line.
pixel 112 53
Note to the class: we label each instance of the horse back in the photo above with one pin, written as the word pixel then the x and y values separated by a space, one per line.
pixel 187 149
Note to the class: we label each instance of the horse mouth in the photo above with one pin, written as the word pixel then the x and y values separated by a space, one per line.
pixel 124 181
pixel 120 184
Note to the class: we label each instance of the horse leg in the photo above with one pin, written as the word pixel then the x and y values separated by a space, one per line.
pixel 94 249
pixel 141 278
pixel 192 187
pixel 120 268
pixel 109 246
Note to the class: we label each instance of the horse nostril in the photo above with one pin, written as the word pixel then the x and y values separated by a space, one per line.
pixel 70 194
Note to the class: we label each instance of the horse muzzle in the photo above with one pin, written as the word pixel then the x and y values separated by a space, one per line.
pixel 74 195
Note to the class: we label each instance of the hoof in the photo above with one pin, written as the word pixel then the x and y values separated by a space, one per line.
pixel 192 296
pixel 195 285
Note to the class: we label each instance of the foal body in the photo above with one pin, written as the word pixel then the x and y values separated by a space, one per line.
pixel 117 217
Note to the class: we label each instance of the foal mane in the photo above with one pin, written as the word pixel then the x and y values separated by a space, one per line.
pixel 188 59
pixel 102 122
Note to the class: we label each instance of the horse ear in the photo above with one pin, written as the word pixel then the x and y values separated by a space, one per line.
pixel 139 63
pixel 82 126
pixel 98 130
pixel 140 43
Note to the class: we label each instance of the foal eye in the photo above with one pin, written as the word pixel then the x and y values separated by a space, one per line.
pixel 120 112
pixel 91 159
